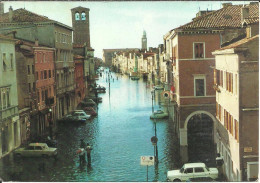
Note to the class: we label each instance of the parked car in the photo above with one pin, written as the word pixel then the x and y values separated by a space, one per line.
pixel 200 179
pixel 100 89
pixel 80 115
pixel 90 110
pixel 159 114
pixel 192 170
pixel 36 150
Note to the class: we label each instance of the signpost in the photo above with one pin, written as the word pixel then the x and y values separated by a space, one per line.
pixel 147 161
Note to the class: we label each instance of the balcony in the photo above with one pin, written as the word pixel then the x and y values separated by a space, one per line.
pixel 8 112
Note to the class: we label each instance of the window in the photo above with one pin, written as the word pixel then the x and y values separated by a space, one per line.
pixel 43 98
pixel 45 74
pixel 11 61
pixel 49 73
pixel 41 74
pixel 38 96
pixel 199 170
pixel 32 69
pixel 28 69
pixel 46 94
pixel 83 16
pixel 188 170
pixel 38 148
pixel 29 87
pixel 44 58
pixel 34 87
pixel 236 130
pixel 37 75
pixel 199 86
pixel 198 50
pixel 7 98
pixel 77 16
pixel 4 62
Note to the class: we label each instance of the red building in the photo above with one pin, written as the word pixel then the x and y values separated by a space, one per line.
pixel 45 86
pixel 189 50
pixel 79 78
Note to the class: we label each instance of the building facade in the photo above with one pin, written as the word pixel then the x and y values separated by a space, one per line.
pixel 35 27
pixel 9 114
pixel 188 49
pixel 237 106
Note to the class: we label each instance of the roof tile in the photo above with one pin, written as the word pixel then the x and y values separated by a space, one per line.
pixel 229 16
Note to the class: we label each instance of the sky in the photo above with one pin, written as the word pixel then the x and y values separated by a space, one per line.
pixel 121 24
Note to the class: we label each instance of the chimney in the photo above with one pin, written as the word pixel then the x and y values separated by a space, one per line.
pixel 36 42
pixel 10 14
pixel 226 5
pixel 1 8
pixel 244 13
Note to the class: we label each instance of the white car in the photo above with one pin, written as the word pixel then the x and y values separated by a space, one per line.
pixel 36 150
pixel 192 170
pixel 80 115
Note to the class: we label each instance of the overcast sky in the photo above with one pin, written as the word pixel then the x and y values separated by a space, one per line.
pixel 121 24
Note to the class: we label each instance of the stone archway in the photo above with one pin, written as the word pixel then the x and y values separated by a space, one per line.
pixel 199 137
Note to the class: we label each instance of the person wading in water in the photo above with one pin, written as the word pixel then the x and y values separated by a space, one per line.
pixel 88 149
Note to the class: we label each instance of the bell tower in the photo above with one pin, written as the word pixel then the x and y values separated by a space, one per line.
pixel 144 41
pixel 80 24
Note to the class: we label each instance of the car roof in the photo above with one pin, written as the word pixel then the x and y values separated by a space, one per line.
pixel 78 110
pixel 193 165
pixel 37 144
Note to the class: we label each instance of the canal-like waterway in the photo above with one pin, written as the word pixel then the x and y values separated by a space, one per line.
pixel 119 135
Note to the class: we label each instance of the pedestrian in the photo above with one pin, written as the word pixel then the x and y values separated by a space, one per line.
pixel 82 155
pixel 88 149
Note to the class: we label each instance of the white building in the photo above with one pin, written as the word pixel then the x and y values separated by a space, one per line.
pixel 9 116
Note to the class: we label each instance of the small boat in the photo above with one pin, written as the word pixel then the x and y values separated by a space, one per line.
pixel 135 78
pixel 159 114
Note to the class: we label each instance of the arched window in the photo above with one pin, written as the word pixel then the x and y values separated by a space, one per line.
pixel 83 16
pixel 77 16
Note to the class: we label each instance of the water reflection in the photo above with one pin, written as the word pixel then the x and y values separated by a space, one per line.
pixel 119 136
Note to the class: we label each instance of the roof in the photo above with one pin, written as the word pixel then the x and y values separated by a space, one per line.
pixel 148 55
pixel 7 38
pixel 80 8
pixel 227 17
pixel 240 43
pixel 23 15
pixel 191 165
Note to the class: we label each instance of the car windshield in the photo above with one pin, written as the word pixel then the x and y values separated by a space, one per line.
pixel 207 167
pixel 182 170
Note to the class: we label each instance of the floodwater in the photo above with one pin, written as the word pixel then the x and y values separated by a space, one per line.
pixel 119 136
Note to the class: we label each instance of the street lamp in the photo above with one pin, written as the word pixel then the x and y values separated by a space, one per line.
pixel 50 121
pixel 154 139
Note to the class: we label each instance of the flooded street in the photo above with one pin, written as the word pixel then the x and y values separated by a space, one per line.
pixel 119 136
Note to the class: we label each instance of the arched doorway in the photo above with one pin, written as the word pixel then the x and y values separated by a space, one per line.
pixel 200 128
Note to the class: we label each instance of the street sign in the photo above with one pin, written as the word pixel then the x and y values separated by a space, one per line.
pixel 147 160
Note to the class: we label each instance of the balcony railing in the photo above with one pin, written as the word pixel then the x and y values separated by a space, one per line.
pixel 8 112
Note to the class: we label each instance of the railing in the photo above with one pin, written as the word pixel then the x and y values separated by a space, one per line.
pixel 8 112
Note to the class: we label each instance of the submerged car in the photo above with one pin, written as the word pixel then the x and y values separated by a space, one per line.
pixel 159 114
pixel 192 170
pixel 80 115
pixel 36 150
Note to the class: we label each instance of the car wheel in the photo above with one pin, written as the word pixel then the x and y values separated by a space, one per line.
pixel 176 180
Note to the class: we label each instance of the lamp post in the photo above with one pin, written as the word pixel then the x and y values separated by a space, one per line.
pixel 50 121
pixel 154 139
pixel 152 92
